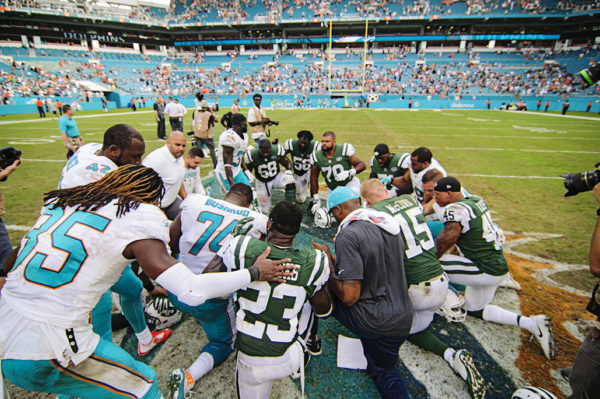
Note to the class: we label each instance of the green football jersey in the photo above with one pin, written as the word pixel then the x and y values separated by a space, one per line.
pixel 300 159
pixel 480 239
pixel 331 167
pixel 397 166
pixel 420 257
pixel 267 321
pixel 265 169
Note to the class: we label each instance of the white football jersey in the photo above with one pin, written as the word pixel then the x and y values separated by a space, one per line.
pixel 230 138
pixel 205 224
pixel 85 166
pixel 417 178
pixel 69 259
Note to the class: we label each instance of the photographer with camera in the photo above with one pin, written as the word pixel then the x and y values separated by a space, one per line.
pixel 583 376
pixel 258 121
pixel 9 162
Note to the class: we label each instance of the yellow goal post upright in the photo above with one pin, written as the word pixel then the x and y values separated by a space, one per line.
pixel 347 90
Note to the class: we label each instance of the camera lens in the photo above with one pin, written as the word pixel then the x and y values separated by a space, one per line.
pixel 576 183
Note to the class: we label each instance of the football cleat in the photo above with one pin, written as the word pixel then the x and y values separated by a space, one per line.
pixel 463 366
pixel 160 313
pixel 452 308
pixel 323 219
pixel 532 393
pixel 544 336
pixel 157 338
pixel 313 346
pixel 181 383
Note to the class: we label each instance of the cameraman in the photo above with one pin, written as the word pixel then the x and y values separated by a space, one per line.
pixel 5 246
pixel 584 376
pixel 257 119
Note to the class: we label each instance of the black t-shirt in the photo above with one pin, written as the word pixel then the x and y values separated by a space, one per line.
pixel 158 107
pixel 368 253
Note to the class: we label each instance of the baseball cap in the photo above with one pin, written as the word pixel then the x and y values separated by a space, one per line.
pixel 446 184
pixel 340 195
pixel 381 149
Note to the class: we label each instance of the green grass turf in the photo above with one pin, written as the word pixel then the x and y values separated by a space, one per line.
pixel 465 142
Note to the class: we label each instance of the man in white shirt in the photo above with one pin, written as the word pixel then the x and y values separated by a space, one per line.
pixel 421 161
pixel 232 144
pixel 191 180
pixel 235 108
pixel 175 111
pixel 167 161
pixel 257 119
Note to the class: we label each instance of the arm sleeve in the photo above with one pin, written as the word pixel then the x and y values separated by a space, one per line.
pixel 287 146
pixel 195 289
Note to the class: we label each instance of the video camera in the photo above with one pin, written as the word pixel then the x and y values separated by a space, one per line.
pixel 590 75
pixel 576 183
pixel 8 155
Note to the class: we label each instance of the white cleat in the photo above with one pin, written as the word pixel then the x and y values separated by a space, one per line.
pixel 510 282
pixel 545 336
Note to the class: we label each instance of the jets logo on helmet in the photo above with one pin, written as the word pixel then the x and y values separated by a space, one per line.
pixel 323 219
pixel 160 313
pixel 532 393
pixel 452 308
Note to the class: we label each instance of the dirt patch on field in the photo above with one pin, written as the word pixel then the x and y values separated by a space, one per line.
pixel 561 306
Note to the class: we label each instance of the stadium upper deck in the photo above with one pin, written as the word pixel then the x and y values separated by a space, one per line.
pixel 223 12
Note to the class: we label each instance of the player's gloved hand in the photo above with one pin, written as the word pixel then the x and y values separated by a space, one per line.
pixel 250 176
pixel 243 227
pixel 322 219
pixel 288 177
pixel 315 203
pixel 345 175
pixel 386 180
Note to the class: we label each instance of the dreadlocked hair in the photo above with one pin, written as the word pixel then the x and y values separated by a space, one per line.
pixel 129 184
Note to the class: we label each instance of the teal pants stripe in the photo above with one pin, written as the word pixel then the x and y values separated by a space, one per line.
pixel 109 373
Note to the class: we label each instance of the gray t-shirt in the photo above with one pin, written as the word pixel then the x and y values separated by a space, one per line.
pixel 368 253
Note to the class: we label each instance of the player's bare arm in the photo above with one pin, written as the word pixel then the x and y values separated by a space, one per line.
pixel 314 180
pixel 175 235
pixel 357 163
pixel 404 183
pixel 228 161
pixel 182 193
pixel 428 206
pixel 285 162
pixel 447 238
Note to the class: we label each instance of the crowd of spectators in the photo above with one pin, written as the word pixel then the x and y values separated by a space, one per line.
pixel 434 77
pixel 229 11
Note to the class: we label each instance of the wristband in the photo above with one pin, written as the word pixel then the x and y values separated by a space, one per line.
pixel 254 273
pixel 352 172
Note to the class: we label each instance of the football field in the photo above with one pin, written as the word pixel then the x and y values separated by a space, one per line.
pixel 511 159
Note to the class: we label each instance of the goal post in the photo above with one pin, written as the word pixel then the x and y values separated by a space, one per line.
pixel 333 88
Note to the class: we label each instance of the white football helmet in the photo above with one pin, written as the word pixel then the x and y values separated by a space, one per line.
pixel 532 393
pixel 452 308
pixel 323 219
pixel 160 313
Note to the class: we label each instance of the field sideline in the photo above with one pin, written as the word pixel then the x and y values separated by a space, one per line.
pixel 513 160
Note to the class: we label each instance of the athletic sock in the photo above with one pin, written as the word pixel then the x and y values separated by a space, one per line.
pixel 144 337
pixel 529 324
pixel 428 341
pixel 449 356
pixel 201 366
pixel 501 316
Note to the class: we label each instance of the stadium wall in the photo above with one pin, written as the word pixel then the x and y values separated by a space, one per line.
pixel 385 102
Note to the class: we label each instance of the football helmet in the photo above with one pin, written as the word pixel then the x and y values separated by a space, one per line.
pixel 452 308
pixel 532 393
pixel 323 219
pixel 160 313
